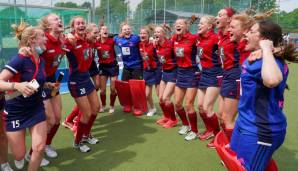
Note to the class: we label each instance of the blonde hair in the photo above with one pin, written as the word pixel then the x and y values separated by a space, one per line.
pixel 24 33
pixel 44 22
pixel 73 20
pixel 246 21
pixel 210 20
pixel 90 27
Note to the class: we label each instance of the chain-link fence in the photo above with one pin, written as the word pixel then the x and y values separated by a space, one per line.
pixel 11 14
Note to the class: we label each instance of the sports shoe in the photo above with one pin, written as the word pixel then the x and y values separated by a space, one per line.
pixel 81 147
pixel 90 139
pixel 111 110
pixel 184 130
pixel 19 163
pixel 127 109
pixel 206 135
pixel 44 162
pixel 6 166
pixel 162 121
pixel 211 144
pixel 50 151
pixel 151 112
pixel 102 109
pixel 67 124
pixel 191 136
pixel 170 124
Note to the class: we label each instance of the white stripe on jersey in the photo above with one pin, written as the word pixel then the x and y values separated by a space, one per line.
pixel 15 71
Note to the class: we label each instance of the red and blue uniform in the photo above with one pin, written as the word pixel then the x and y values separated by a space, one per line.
pixel 23 112
pixel 208 58
pixel 167 60
pixel 150 63
pixel 52 57
pixel 93 69
pixel 108 65
pixel 80 57
pixel 243 53
pixel 229 56
pixel 185 53
pixel 261 124
pixel 2 101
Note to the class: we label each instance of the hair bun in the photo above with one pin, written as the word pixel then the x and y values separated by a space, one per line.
pixel 18 29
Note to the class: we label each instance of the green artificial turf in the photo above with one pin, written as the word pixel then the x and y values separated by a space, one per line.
pixel 131 143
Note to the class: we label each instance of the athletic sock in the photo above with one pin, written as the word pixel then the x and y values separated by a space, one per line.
pixel 72 114
pixel 90 124
pixel 164 110
pixel 80 131
pixel 214 123
pixel 228 133
pixel 113 99
pixel 52 133
pixel 193 122
pixel 103 98
pixel 171 111
pixel 182 115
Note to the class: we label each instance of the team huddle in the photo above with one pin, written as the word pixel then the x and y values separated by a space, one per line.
pixel 242 66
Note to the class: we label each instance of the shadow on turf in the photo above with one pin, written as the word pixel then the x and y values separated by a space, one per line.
pixel 286 159
pixel 117 132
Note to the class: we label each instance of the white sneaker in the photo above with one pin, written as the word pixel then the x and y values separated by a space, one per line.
pixel 101 110
pixel 44 162
pixel 183 130
pixel 6 166
pixel 19 163
pixel 151 112
pixel 191 136
pixel 83 148
pixel 90 139
pixel 50 151
pixel 112 110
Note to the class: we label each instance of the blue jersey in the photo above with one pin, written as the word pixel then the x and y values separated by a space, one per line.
pixel 129 48
pixel 260 108
pixel 24 68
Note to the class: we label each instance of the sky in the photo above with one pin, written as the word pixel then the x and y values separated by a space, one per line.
pixel 285 5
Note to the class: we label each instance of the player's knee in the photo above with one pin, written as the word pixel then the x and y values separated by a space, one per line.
pixel 38 148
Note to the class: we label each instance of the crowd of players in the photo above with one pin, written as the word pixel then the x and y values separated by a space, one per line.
pixel 243 66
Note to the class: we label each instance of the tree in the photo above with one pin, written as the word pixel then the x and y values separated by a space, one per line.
pixel 86 5
pixel 66 5
pixel 263 5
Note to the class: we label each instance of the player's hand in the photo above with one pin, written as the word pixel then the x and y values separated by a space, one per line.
pixel 120 35
pixel 52 85
pixel 25 51
pixel 266 45
pixel 71 38
pixel 255 56
pixel 25 88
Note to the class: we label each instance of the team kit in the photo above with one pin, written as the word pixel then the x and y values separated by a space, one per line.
pixel 236 59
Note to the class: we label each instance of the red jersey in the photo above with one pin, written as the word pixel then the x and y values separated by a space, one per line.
pixel 105 51
pixel 243 53
pixel 80 56
pixel 53 54
pixel 185 50
pixel 207 50
pixel 166 56
pixel 228 52
pixel 148 54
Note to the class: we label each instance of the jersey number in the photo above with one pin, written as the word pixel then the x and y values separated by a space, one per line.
pixel 15 124
pixel 83 91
